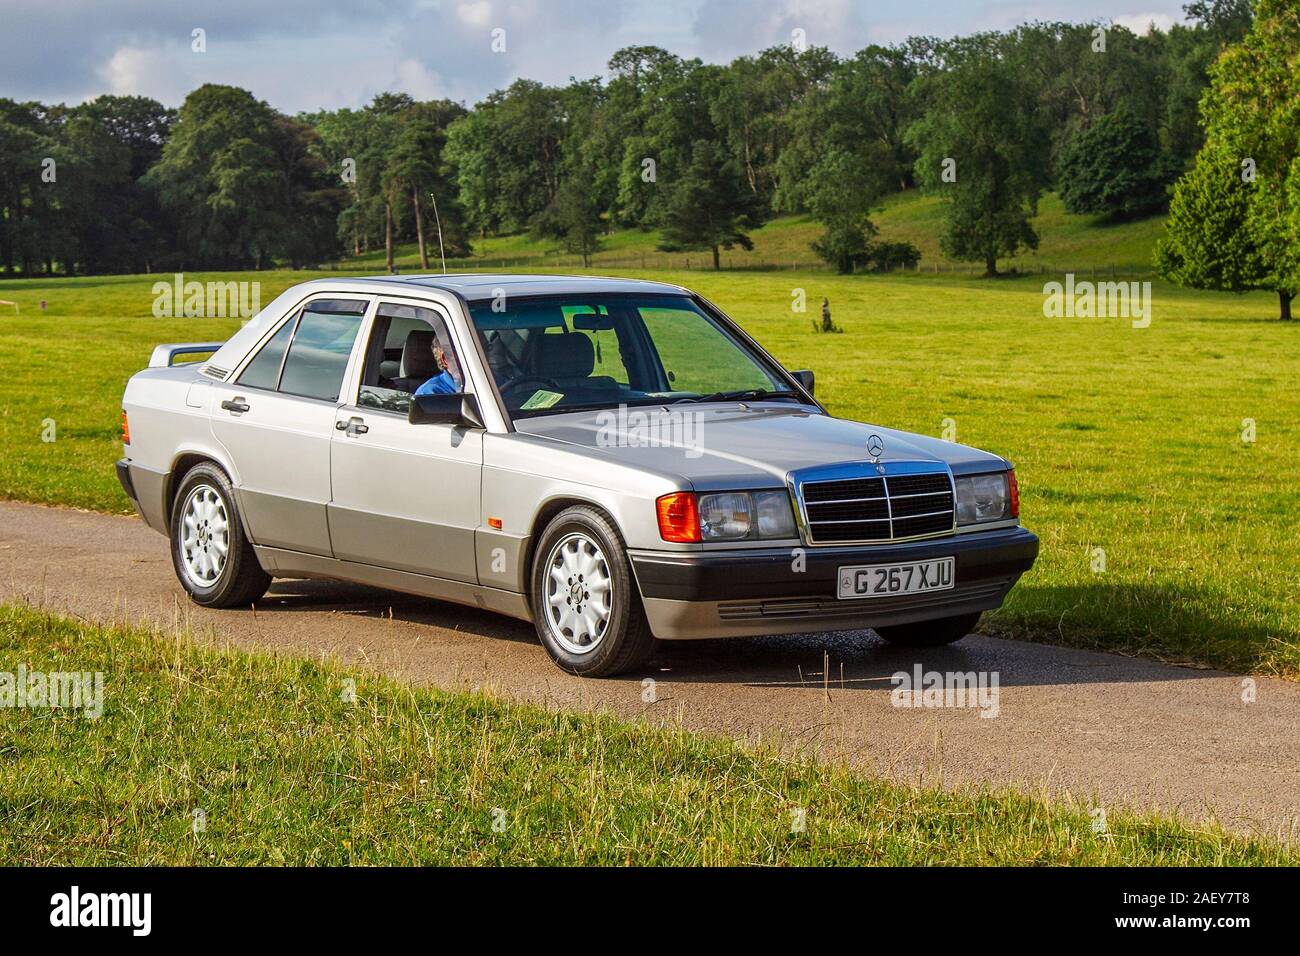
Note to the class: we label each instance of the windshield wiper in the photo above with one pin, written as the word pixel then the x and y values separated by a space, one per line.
pixel 738 395
pixel 561 408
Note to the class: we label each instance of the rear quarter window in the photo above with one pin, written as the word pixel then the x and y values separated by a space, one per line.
pixel 264 370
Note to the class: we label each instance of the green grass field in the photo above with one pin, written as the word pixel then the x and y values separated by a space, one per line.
pixel 286 767
pixel 1126 440
pixel 1066 243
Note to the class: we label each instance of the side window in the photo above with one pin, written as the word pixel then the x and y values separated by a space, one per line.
pixel 409 347
pixel 318 355
pixel 264 370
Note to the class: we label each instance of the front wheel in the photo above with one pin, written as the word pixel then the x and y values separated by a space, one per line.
pixel 945 630
pixel 586 607
pixel 214 559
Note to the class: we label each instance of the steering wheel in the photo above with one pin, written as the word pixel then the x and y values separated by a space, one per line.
pixel 518 383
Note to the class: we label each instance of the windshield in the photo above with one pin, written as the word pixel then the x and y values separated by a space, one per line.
pixel 552 354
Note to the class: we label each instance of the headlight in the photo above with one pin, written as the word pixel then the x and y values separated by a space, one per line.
pixel 775 517
pixel 734 516
pixel 725 517
pixel 983 498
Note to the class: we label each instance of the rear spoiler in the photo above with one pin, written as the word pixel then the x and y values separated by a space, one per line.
pixel 164 356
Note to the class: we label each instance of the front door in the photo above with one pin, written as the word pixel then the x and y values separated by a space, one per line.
pixel 405 496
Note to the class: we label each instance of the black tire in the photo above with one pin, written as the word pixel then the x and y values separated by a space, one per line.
pixel 625 643
pixel 945 630
pixel 240 582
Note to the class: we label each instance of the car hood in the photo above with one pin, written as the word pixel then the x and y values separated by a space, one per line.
pixel 728 446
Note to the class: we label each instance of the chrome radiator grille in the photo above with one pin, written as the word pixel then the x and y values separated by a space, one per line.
pixel 869 508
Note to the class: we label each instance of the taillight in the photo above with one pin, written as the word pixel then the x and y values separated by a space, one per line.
pixel 1015 493
pixel 679 517
pixel 126 429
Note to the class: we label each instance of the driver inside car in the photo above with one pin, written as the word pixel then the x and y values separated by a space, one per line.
pixel 442 382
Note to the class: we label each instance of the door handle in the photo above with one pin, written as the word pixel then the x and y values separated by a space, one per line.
pixel 236 404
pixel 353 426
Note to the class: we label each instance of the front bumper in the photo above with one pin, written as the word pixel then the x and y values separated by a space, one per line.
pixel 702 594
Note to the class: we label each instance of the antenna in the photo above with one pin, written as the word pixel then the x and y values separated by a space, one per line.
pixel 438 219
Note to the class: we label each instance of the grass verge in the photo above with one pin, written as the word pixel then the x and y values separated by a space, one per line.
pixel 287 771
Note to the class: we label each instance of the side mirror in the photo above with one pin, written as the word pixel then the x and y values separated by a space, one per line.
pixel 458 408
pixel 805 378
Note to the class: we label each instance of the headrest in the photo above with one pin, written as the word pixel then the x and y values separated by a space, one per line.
pixel 569 355
pixel 417 354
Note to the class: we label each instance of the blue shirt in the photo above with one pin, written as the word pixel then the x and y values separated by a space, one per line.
pixel 440 384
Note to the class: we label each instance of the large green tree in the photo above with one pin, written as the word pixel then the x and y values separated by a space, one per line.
pixel 709 206
pixel 342 137
pixel 113 222
pixel 840 189
pixel 757 104
pixel 983 147
pixel 847 148
pixel 242 184
pixel 644 136
pixel 31 233
pixel 1074 74
pixel 509 155
pixel 574 215
pixel 419 177
pixel 1235 218
pixel 1115 168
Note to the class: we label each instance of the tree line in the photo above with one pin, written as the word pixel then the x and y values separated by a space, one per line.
pixel 704 153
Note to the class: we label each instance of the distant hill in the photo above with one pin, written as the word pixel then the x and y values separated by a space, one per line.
pixel 1066 243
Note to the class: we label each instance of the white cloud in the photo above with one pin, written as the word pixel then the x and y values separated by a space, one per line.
pixel 415 78
pixel 1141 23
pixel 477 14
pixel 727 28
pixel 156 71
pixel 127 69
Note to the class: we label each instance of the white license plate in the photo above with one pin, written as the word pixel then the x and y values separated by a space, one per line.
pixel 890 580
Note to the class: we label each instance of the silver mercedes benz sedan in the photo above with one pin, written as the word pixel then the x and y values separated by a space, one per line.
pixel 613 460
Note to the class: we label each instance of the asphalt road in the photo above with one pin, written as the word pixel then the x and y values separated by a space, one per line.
pixel 1098 729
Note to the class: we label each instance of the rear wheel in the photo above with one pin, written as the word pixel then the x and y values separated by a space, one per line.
pixel 214 559
pixel 586 607
pixel 945 630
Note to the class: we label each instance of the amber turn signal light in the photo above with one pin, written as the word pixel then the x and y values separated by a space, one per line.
pixel 679 517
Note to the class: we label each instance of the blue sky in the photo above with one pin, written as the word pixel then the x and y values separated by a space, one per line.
pixel 312 54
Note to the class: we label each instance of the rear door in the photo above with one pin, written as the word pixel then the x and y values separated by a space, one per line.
pixel 276 421
pixel 405 496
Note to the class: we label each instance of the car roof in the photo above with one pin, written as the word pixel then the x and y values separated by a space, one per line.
pixel 485 285
pixel 473 287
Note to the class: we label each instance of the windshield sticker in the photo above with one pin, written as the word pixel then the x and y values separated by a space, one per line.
pixel 542 398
